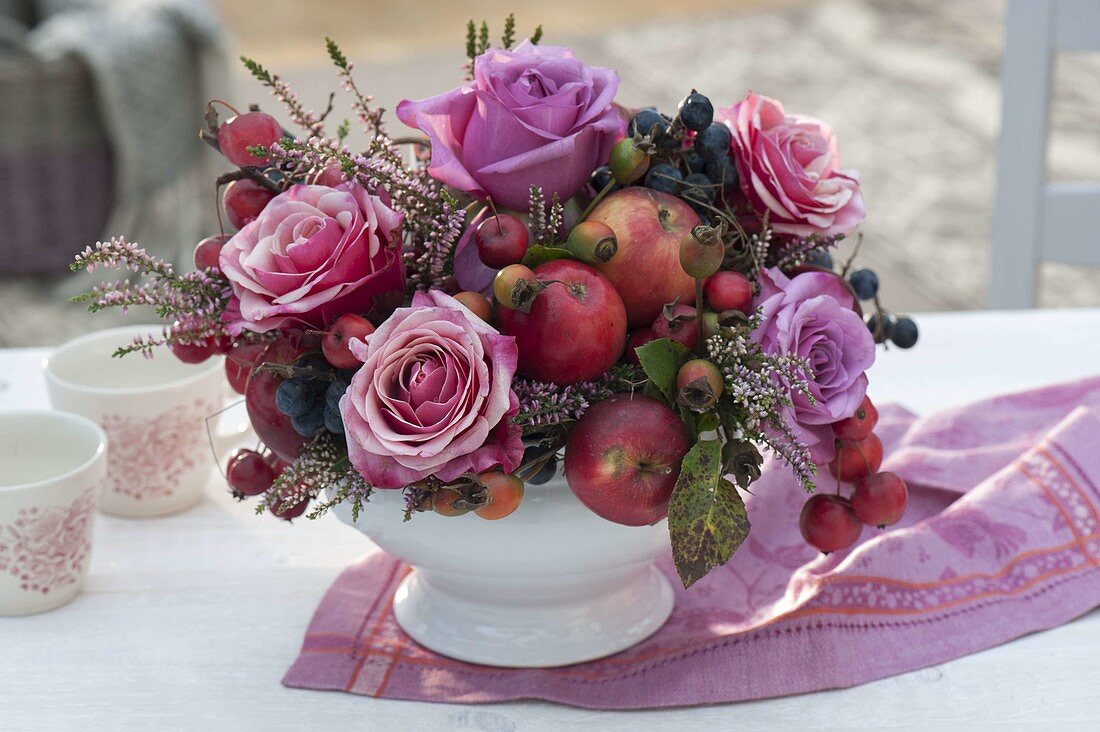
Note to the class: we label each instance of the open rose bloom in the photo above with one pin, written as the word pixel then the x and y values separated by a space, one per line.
pixel 314 253
pixel 433 397
pixel 789 168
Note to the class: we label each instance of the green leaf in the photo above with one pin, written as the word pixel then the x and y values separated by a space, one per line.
pixel 661 360
pixel 707 422
pixel 538 254
pixel 707 521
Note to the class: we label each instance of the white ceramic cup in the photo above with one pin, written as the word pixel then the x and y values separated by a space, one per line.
pixel 154 412
pixel 52 470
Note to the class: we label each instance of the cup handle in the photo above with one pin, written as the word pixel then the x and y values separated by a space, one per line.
pixel 229 429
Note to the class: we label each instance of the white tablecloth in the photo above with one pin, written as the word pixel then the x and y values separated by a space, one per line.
pixel 190 621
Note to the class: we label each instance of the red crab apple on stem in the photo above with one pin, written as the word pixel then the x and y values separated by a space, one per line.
pixel 649 227
pixel 623 457
pixel 575 328
pixel 828 523
pixel 334 343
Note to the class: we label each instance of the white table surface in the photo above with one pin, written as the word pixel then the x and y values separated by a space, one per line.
pixel 190 621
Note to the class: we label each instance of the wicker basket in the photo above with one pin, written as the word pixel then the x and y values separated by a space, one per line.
pixel 55 161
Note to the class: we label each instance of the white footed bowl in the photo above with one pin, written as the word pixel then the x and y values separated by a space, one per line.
pixel 551 585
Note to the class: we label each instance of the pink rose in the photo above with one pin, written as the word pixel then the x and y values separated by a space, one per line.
pixel 789 168
pixel 434 396
pixel 810 315
pixel 531 116
pixel 313 254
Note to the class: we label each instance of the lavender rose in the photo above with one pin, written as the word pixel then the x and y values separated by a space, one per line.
pixel 313 254
pixel 789 168
pixel 434 396
pixel 811 316
pixel 531 116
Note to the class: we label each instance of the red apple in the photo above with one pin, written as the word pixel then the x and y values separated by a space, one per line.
pixel 682 327
pixel 729 291
pixel 649 226
pixel 335 342
pixel 623 457
pixel 575 329
pixel 272 426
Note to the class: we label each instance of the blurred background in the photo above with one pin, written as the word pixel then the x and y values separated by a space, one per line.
pixel 100 103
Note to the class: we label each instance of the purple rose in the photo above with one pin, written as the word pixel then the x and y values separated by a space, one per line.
pixel 531 116
pixel 811 315
pixel 434 396
pixel 313 254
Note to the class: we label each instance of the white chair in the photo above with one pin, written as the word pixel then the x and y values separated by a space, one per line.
pixel 1034 220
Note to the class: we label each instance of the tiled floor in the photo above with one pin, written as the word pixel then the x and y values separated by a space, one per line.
pixel 911 87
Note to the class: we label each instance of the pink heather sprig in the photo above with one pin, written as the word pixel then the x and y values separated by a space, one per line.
pixel 796 251
pixel 192 303
pixel 542 404
pixel 322 464
pixel 370 117
pixel 305 118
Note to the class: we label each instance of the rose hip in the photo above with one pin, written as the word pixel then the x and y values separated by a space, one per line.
pixel 207 251
pixel 443 502
pixel 828 523
pixel 860 424
pixel 506 281
pixel 699 384
pixel 505 495
pixel 244 200
pixel 476 303
pixel 251 129
pixel 879 499
pixel 638 338
pixel 856 460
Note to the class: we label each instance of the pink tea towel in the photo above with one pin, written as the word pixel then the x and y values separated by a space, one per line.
pixel 1001 538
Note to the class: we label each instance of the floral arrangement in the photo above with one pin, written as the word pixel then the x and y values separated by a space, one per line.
pixel 540 279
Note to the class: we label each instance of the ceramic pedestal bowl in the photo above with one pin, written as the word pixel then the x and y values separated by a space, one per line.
pixel 550 585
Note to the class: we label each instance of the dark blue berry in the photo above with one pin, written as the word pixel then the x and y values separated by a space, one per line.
pixel 695 163
pixel 873 326
pixel 332 395
pixel 713 143
pixel 698 190
pixel 601 177
pixel 723 172
pixel 904 333
pixel 696 112
pixel 665 139
pixel 865 283
pixel 310 423
pixel 334 423
pixel 664 178
pixel 648 122
pixel 294 397
pixel 820 258
pixel 548 470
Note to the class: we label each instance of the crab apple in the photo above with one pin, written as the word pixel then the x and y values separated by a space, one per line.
pixel 592 242
pixel 860 424
pixel 191 352
pixel 289 511
pixel 682 327
pixel 828 523
pixel 623 457
pixel 638 338
pixel 208 250
pixel 505 494
pixel 250 129
pixel 244 200
pixel 879 499
pixel 857 459
pixel 249 474
pixel 648 226
pixel 476 303
pixel 239 362
pixel 699 384
pixel 728 291
pixel 334 344
pixel 507 281
pixel 501 240
pixel 575 329
pixel 272 426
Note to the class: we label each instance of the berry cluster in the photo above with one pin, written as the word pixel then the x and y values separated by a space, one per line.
pixel 311 396
pixel 831 522
pixel 902 332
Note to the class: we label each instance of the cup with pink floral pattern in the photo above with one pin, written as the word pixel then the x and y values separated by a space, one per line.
pixel 154 411
pixel 52 469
